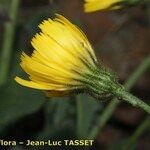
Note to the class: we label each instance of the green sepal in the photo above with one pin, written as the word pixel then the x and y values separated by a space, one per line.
pixel 101 83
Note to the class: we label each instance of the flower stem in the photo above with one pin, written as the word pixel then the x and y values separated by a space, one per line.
pixel 110 108
pixel 9 32
pixel 128 97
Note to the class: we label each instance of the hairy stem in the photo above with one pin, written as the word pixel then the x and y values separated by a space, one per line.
pixel 136 102
pixel 110 108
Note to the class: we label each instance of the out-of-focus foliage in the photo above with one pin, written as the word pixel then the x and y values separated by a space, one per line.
pixel 87 109
pixel 15 101
pixel 4 7
pixel 70 117
pixel 64 112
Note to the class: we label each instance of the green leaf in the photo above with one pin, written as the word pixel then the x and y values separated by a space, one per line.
pixel 16 102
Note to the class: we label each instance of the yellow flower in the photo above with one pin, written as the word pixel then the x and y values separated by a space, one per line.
pixel 61 60
pixel 94 5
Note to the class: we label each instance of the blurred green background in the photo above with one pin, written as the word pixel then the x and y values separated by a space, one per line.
pixel 121 42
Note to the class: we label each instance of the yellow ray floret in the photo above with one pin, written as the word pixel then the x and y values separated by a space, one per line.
pixel 62 55
pixel 94 5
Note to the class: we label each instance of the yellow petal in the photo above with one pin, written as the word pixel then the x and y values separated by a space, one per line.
pixel 94 5
pixel 62 56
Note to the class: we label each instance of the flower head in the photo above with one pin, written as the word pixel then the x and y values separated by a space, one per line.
pixel 94 5
pixel 64 62
pixel 62 54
